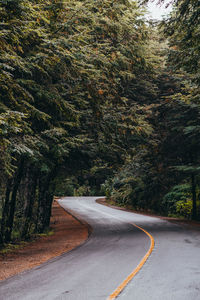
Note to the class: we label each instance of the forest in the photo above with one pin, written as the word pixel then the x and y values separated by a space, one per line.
pixel 95 99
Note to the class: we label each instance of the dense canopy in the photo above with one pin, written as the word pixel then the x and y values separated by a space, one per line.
pixel 94 99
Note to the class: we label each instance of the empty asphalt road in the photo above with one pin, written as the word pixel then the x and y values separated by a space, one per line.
pixel 94 270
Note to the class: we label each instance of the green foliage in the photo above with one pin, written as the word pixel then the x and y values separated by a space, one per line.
pixel 89 105
pixel 73 103
pixel 183 30
pixel 178 201
pixel 184 208
pixel 169 156
pixel 82 191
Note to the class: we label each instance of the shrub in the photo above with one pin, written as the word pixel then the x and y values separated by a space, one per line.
pixel 177 202
pixel 184 208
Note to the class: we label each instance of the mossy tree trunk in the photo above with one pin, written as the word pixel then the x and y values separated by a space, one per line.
pixel 30 200
pixel 5 211
pixel 11 213
pixel 45 199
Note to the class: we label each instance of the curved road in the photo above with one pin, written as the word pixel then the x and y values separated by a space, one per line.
pixel 94 270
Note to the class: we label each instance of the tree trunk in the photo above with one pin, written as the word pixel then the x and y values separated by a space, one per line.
pixel 194 198
pixel 31 193
pixel 45 199
pixel 44 187
pixel 49 201
pixel 5 211
pixel 10 220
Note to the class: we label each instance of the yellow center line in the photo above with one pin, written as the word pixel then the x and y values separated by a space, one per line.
pixel 120 288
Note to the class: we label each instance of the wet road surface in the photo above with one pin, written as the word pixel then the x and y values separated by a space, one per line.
pixel 114 249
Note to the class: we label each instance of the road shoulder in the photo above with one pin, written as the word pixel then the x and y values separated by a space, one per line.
pixel 184 222
pixel 68 234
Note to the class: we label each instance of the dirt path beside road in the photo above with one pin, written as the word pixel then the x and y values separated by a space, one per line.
pixel 68 234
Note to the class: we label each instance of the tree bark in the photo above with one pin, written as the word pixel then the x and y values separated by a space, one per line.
pixel 5 211
pixel 31 194
pixel 45 199
pixel 10 220
pixel 49 201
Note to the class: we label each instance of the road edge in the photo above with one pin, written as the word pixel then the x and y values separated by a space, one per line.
pixel 79 219
pixel 180 222
pixel 56 257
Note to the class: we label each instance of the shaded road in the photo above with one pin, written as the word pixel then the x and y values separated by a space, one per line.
pixel 114 249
